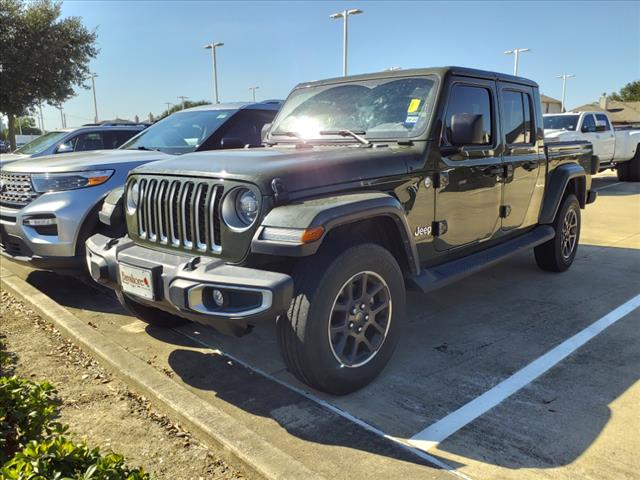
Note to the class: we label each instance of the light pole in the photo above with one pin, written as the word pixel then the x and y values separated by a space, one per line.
pixel 345 34
pixel 183 98
pixel 61 116
pixel 95 102
pixel 516 53
pixel 169 105
pixel 41 118
pixel 564 78
pixel 253 92
pixel 212 46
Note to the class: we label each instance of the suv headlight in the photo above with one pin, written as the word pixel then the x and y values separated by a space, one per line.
pixel 133 197
pixel 58 182
pixel 240 208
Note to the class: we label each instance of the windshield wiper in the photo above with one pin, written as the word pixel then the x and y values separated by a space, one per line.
pixel 348 133
pixel 148 149
pixel 288 134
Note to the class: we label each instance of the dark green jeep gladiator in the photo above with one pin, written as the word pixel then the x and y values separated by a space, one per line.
pixel 366 186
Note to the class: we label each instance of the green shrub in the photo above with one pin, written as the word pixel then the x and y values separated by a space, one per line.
pixel 59 458
pixel 26 413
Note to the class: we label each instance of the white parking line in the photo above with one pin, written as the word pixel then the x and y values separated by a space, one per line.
pixel 399 441
pixel 447 426
pixel 608 186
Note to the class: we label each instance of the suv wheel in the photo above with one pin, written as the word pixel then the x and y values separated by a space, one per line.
pixel 345 318
pixel 150 315
pixel 557 254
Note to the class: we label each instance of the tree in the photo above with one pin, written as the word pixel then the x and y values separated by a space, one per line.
pixel 27 125
pixel 176 108
pixel 43 56
pixel 629 93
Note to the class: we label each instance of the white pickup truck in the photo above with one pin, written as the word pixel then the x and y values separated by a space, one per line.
pixel 619 149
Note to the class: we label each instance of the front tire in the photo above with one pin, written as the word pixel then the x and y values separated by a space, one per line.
pixel 345 318
pixel 557 254
pixel 150 315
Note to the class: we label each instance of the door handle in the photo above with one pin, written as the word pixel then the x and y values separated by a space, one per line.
pixel 530 166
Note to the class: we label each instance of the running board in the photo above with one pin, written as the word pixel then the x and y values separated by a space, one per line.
pixel 435 277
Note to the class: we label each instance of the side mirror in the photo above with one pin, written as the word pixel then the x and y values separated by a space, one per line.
pixel 65 148
pixel 467 129
pixel 264 131
pixel 231 142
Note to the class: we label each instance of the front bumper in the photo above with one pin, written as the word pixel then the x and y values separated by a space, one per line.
pixel 183 284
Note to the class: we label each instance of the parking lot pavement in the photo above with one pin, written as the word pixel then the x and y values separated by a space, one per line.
pixel 579 419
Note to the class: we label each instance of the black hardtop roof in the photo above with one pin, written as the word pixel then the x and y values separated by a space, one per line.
pixel 438 71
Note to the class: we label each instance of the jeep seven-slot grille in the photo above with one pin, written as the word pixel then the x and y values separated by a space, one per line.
pixel 16 190
pixel 180 213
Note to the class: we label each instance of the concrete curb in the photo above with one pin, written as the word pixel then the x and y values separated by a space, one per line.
pixel 241 446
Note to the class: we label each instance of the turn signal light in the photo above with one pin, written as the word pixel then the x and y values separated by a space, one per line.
pixel 312 234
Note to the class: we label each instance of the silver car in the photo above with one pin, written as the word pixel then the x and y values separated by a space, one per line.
pixel 67 140
pixel 49 205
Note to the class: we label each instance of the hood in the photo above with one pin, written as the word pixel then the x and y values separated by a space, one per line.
pixel 7 158
pixel 299 169
pixel 80 161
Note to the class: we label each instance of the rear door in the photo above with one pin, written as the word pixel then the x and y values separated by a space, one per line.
pixel 469 202
pixel 522 157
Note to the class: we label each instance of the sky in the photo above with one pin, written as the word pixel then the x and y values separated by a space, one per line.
pixel 152 51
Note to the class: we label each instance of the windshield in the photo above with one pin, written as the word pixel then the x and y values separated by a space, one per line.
pixel 383 108
pixel 560 122
pixel 181 132
pixel 41 143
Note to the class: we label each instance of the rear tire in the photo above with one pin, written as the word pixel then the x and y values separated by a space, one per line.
pixel 629 171
pixel 557 254
pixel 345 318
pixel 150 315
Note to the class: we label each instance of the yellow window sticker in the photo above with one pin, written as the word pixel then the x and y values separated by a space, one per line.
pixel 414 105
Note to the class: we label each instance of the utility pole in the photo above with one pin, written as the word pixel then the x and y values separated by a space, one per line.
pixel 169 105
pixel 95 102
pixel 564 78
pixel 345 33
pixel 253 92
pixel 61 116
pixel 516 54
pixel 212 46
pixel 41 118
pixel 183 98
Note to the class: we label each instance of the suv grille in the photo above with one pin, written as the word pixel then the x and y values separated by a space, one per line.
pixel 16 190
pixel 180 213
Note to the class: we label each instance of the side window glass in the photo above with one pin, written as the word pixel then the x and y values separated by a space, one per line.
pixel 68 146
pixel 588 124
pixel 112 140
pixel 513 117
pixel 601 117
pixel 89 141
pixel 516 119
pixel 469 107
pixel 247 126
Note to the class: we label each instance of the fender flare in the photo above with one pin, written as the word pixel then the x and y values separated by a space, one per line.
pixel 557 185
pixel 330 213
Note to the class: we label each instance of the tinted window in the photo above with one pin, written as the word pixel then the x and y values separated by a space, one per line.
pixel 588 124
pixel 516 117
pixel 475 101
pixel 247 126
pixel 88 141
pixel 114 139
pixel 603 118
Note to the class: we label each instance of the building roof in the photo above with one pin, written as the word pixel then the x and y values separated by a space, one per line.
pixel 619 112
pixel 546 99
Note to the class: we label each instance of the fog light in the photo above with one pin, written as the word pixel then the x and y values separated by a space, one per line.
pixel 39 222
pixel 218 297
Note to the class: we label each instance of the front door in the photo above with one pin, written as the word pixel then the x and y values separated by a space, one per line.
pixel 606 136
pixel 602 148
pixel 469 194
pixel 523 159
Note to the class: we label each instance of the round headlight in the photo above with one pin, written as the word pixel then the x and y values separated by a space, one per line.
pixel 247 206
pixel 133 196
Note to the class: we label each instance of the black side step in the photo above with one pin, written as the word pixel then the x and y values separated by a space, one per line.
pixel 435 277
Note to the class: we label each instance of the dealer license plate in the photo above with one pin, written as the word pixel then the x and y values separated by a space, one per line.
pixel 137 281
